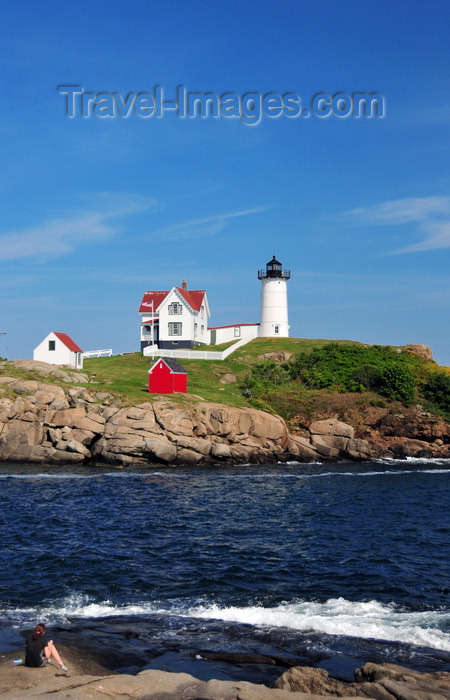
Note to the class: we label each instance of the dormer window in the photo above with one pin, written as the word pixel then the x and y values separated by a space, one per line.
pixel 175 308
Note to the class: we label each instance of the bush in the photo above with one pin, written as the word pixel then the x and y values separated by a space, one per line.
pixel 350 368
pixel 368 376
pixel 437 391
pixel 397 384
pixel 266 374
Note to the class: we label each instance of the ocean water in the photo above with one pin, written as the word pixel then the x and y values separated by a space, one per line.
pixel 232 573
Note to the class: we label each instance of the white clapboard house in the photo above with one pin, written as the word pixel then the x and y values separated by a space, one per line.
pixel 174 319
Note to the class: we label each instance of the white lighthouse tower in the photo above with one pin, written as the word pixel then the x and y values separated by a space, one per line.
pixel 274 308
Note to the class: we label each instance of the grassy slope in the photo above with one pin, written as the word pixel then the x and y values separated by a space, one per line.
pixel 127 374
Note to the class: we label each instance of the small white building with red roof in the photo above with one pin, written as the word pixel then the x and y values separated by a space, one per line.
pixel 174 319
pixel 59 349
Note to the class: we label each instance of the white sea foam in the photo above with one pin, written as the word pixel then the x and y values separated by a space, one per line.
pixel 371 620
pixel 414 460
pixel 337 616
pixel 94 475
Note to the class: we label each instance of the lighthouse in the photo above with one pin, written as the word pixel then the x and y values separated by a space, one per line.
pixel 274 308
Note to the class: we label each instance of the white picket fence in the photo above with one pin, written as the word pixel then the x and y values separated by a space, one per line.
pixel 98 353
pixel 186 354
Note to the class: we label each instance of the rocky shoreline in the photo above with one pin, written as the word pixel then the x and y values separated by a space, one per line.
pixel 45 423
pixel 89 680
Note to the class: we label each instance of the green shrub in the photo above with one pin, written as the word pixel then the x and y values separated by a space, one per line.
pixel 350 368
pixel 437 391
pixel 266 374
pixel 368 376
pixel 397 384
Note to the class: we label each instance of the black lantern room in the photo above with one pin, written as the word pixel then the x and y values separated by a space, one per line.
pixel 274 269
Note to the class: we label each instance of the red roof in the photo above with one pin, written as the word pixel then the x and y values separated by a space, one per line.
pixel 194 297
pixel 151 301
pixel 68 342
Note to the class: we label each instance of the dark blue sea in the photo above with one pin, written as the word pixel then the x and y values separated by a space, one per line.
pixel 231 573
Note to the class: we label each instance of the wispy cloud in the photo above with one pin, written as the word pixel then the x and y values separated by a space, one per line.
pixel 204 226
pixel 60 235
pixel 431 214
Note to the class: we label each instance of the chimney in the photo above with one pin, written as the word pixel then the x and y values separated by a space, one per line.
pixel 184 284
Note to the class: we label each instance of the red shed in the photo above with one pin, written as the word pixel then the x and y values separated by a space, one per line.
pixel 166 376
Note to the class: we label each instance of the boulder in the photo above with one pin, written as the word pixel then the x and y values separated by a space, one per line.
pixel 73 446
pixel 53 399
pixel 323 449
pixel 275 356
pixel 84 436
pixel 267 425
pixel 337 442
pixel 79 394
pixel 331 426
pixel 70 417
pixel 228 379
pixel 358 449
pixel 423 350
pixel 26 386
pixel 402 683
pixel 172 418
pixel 20 407
pixel 304 679
pixel 91 423
pixel 220 450
pixel 160 450
pixel 124 444
pixel 302 448
pixel 48 370
pixel 218 420
pixel 199 445
pixel 187 457
pixel 18 432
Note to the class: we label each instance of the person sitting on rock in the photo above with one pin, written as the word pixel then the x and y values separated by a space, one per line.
pixel 40 650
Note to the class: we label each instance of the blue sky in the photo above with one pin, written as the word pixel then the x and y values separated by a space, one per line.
pixel 95 210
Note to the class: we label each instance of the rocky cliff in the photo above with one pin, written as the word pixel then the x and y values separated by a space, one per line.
pixel 45 423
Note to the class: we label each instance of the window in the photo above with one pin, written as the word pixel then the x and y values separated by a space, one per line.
pixel 175 308
pixel 237 332
pixel 203 311
pixel 276 329
pixel 175 328
pixel 195 329
pixel 52 344
pixel 147 329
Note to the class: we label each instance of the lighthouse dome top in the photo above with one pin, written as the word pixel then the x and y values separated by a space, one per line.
pixel 274 269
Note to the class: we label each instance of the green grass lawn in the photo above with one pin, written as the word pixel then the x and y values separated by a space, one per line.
pixel 127 374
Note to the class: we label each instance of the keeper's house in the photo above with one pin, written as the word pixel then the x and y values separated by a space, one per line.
pixel 166 376
pixel 175 319
pixel 59 349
